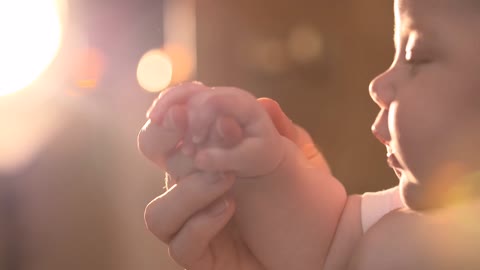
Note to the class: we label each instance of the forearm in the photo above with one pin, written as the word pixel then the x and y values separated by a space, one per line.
pixel 303 202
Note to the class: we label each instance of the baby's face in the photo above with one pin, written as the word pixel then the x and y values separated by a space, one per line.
pixel 430 100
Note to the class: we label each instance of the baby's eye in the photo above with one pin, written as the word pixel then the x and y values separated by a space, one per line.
pixel 416 58
pixel 417 51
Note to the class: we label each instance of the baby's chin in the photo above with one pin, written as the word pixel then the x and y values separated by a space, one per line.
pixel 421 197
pixel 417 195
pixel 413 195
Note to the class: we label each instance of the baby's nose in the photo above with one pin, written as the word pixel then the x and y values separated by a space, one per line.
pixel 382 89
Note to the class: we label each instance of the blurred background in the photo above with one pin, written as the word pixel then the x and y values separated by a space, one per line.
pixel 77 76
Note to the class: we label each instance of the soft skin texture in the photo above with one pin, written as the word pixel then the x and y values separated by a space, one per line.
pixel 277 203
pixel 430 101
pixel 296 214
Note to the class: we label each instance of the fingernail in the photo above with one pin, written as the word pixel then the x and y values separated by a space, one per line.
pixel 218 207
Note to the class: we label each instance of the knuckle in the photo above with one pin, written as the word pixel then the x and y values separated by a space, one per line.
pixel 174 251
pixel 190 242
pixel 179 165
pixel 146 142
pixel 197 229
pixel 208 184
pixel 197 186
pixel 177 252
pixel 154 223
pixel 142 144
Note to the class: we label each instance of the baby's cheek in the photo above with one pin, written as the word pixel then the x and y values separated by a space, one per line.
pixel 412 138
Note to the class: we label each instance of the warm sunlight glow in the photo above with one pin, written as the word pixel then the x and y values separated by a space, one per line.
pixel 182 62
pixel 88 69
pixel 31 33
pixel 154 72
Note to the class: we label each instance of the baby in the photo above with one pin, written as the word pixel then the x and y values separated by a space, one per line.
pixel 292 215
pixel 267 167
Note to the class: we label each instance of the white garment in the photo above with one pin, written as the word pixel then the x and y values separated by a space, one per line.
pixel 375 205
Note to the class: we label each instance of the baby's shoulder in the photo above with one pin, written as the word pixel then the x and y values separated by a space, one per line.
pixel 405 239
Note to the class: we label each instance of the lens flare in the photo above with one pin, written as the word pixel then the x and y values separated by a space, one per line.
pixel 31 33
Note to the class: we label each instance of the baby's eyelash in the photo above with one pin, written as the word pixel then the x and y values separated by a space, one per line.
pixel 416 59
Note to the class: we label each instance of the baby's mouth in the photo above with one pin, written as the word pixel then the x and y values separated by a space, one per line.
pixel 393 162
pixel 392 159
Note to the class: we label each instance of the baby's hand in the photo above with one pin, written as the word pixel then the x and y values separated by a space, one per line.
pixel 259 153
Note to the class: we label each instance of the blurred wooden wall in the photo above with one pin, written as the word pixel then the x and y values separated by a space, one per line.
pixel 245 44
pixel 80 204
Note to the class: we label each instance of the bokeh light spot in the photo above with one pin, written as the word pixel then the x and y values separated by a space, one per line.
pixel 305 44
pixel 182 62
pixel 31 33
pixel 269 55
pixel 154 72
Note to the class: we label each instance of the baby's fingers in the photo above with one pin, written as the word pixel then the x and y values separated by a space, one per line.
pixel 175 95
pixel 206 106
pixel 250 158
pixel 227 133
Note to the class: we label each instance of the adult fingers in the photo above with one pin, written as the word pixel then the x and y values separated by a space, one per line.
pixel 166 214
pixel 179 165
pixel 157 140
pixel 190 246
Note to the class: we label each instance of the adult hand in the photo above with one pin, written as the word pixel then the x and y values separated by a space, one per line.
pixel 192 217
